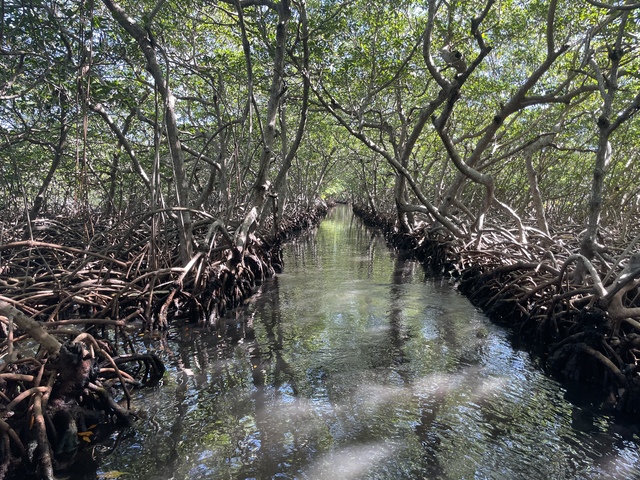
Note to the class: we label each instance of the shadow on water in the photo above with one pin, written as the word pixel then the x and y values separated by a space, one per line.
pixel 355 364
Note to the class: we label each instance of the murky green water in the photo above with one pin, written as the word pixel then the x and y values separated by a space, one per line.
pixel 354 365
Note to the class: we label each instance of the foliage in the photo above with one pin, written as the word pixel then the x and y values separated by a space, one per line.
pixel 75 88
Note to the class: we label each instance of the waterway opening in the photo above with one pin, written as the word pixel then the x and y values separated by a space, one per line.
pixel 356 364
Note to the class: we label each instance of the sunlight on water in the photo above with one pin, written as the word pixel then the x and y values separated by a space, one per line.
pixel 356 365
pixel 350 462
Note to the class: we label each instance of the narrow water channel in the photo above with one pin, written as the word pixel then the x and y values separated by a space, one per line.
pixel 355 364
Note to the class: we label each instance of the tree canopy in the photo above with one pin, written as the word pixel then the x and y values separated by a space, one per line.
pixel 449 111
pixel 153 152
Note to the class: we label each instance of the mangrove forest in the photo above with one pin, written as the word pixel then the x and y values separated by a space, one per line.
pixel 161 162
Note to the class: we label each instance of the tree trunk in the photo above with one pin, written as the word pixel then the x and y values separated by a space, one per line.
pixel 532 175
pixel 57 156
pixel 404 222
pixel 261 185
pixel 589 245
pixel 288 153
pixel 148 47
pixel 608 85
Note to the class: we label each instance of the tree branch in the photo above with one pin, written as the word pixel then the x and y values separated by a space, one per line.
pixel 632 6
pixel 30 326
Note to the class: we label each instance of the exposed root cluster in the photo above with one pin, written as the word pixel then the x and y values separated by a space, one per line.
pixel 583 316
pixel 70 295
pixel 56 392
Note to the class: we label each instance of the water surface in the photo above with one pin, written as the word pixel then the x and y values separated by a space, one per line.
pixel 355 364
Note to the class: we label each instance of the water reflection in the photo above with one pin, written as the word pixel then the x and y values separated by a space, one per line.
pixel 352 365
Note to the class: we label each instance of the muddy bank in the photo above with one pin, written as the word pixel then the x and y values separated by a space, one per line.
pixel 75 301
pixel 586 327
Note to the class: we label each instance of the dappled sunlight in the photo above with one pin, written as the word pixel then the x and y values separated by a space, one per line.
pixel 470 381
pixel 349 462
pixel 436 384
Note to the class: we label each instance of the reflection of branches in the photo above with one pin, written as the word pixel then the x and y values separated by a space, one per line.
pixel 397 307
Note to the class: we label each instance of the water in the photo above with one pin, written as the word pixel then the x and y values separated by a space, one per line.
pixel 354 364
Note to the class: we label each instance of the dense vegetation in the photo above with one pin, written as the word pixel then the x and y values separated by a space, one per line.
pixel 461 110
pixel 150 153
